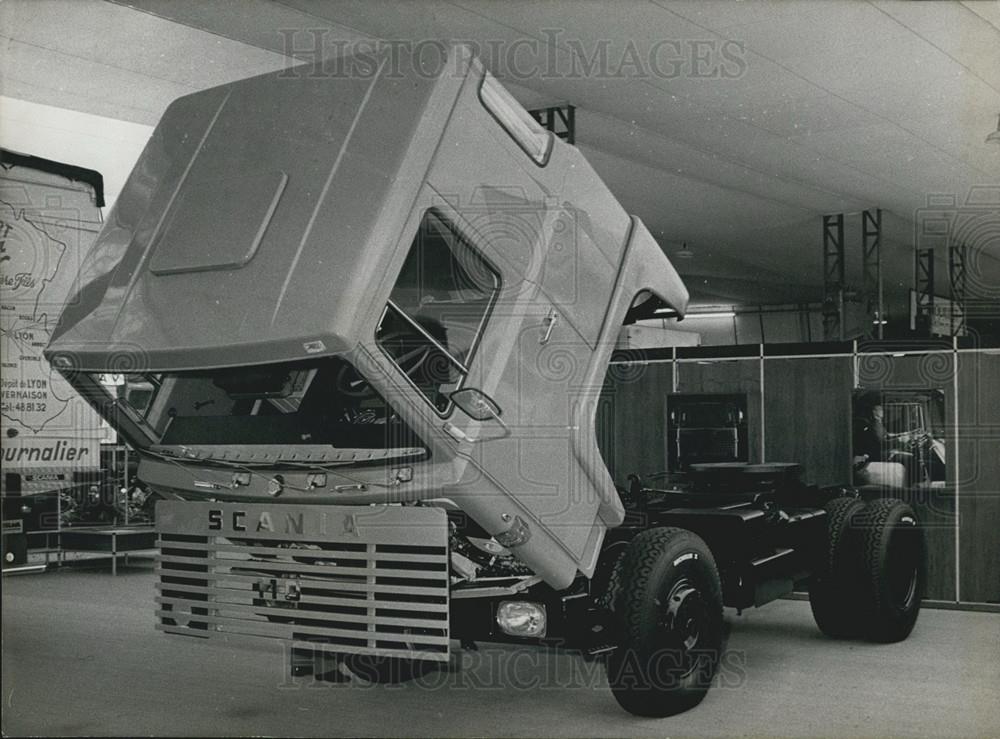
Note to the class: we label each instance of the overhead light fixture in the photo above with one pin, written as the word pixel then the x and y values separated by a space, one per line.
pixel 684 252
pixel 713 314
pixel 994 138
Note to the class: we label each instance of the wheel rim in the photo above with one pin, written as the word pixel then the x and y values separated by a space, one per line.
pixel 903 567
pixel 684 622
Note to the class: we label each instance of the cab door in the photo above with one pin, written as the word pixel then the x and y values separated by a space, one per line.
pixel 538 482
pixel 504 291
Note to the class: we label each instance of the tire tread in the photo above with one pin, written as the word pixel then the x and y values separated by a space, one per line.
pixel 833 591
pixel 645 554
pixel 874 529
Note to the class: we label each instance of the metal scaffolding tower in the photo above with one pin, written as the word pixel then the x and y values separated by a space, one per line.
pixel 925 289
pixel 833 277
pixel 957 255
pixel 871 261
pixel 560 119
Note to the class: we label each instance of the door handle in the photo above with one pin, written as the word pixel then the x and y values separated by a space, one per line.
pixel 549 323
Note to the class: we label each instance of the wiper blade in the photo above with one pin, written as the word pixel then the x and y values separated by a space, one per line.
pixel 174 458
pixel 190 455
pixel 268 455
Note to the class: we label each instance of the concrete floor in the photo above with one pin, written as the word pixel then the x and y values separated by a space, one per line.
pixel 80 657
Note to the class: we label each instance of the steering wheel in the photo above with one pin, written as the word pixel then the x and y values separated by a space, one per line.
pixel 420 360
pixel 411 360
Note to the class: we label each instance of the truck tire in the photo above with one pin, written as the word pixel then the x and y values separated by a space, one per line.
pixel 607 582
pixel 669 621
pixel 834 590
pixel 892 569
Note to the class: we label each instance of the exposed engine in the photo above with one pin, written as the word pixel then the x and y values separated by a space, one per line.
pixel 475 555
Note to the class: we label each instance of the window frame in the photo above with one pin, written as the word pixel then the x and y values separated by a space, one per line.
pixel 465 367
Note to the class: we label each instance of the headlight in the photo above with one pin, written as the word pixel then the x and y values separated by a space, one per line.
pixel 521 618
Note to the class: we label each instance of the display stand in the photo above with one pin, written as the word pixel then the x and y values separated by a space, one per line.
pixel 115 540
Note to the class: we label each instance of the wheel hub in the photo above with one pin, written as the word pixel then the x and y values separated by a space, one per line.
pixel 684 613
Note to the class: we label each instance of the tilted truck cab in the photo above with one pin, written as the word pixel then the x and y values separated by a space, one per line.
pixel 296 220
pixel 356 324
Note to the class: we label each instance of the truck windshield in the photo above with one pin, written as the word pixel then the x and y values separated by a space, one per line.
pixel 318 410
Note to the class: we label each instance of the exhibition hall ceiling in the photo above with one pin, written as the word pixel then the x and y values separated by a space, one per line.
pixel 731 127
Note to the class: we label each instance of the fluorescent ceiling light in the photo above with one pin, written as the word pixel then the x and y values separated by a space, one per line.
pixel 713 314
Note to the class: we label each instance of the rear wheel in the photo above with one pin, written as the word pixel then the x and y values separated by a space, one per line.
pixel 892 569
pixel 834 590
pixel 669 617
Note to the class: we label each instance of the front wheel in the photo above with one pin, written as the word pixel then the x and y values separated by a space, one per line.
pixel 669 617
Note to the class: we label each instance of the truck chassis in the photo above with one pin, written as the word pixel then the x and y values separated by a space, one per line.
pixel 386 590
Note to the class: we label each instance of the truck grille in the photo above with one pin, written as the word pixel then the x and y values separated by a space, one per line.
pixel 348 579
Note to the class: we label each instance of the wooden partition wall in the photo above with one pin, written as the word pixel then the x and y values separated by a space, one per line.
pixel 799 410
pixel 978 477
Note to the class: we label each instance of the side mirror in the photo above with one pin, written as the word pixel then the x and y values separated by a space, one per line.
pixel 476 404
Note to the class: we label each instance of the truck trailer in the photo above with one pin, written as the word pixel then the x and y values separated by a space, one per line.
pixel 364 313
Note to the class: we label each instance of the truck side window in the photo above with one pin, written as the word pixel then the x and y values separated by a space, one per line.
pixel 437 309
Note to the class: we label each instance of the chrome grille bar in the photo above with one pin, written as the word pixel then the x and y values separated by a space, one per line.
pixel 349 579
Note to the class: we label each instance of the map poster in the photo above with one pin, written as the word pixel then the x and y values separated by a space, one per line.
pixel 47 224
